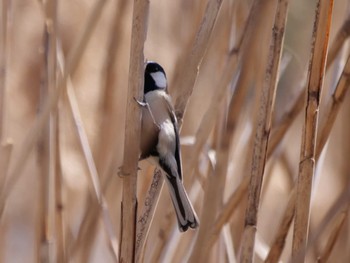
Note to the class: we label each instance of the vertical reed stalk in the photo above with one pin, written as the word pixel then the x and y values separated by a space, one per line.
pixel 145 220
pixel 290 116
pixel 330 116
pixel 4 8
pixel 48 156
pixel 132 131
pixel 5 156
pixel 307 154
pixel 267 100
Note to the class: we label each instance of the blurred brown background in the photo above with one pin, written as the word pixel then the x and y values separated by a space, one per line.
pixel 100 86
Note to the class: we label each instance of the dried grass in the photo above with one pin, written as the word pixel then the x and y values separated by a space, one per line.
pixel 68 121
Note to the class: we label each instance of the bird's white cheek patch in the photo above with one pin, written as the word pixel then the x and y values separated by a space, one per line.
pixel 160 79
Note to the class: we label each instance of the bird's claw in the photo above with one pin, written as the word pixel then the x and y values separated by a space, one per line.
pixel 141 103
pixel 145 104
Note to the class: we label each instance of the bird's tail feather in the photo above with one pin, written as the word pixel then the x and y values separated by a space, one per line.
pixel 185 213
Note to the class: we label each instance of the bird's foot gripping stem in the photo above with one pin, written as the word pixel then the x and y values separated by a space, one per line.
pixel 146 105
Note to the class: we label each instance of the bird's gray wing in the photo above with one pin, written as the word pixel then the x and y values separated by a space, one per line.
pixel 177 136
pixel 149 138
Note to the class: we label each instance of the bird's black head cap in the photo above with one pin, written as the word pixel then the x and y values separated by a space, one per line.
pixel 155 77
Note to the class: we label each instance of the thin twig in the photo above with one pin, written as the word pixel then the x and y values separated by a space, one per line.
pixel 307 154
pixel 132 131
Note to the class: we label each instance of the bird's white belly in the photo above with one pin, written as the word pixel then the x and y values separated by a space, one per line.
pixel 166 137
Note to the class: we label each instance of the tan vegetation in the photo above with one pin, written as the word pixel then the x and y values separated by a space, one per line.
pixel 260 91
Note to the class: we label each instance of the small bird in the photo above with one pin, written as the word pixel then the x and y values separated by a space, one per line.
pixel 160 141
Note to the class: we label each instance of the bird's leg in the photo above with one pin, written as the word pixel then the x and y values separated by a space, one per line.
pixel 145 104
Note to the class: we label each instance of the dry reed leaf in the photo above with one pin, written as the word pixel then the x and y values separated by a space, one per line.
pixel 229 208
pixel 339 40
pixel 188 71
pixel 338 225
pixel 84 142
pixel 283 126
pixel 94 177
pixel 333 109
pixel 307 155
pixel 212 195
pixel 208 120
pixel 334 211
pixel 282 231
